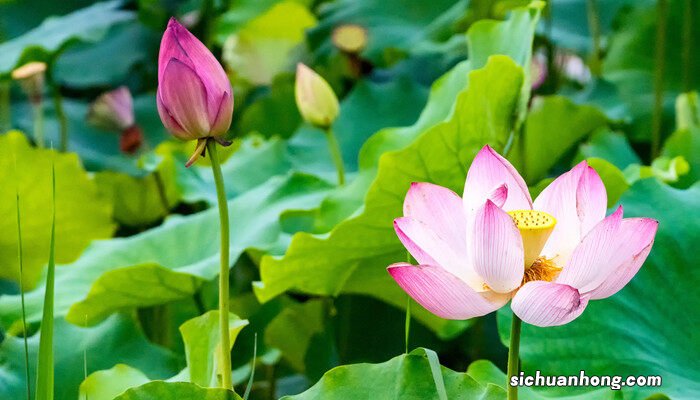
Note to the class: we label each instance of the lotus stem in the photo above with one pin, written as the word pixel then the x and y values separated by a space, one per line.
pixel 5 110
pixel 38 109
pixel 225 367
pixel 657 118
pixel 337 156
pixel 687 44
pixel 513 356
pixel 594 28
pixel 61 116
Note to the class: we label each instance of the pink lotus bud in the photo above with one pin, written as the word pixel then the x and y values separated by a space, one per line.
pixel 195 98
pixel 112 111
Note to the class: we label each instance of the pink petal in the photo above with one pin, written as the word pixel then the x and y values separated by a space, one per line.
pixel 183 95
pixel 578 201
pixel 429 248
pixel 169 122
pixel 590 262
pixel 121 102
pixel 442 293
pixel 179 44
pixel 223 118
pixel 487 173
pixel 543 303
pixel 441 210
pixel 499 195
pixel 497 249
pixel 634 244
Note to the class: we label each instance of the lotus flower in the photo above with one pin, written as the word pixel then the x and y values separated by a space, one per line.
pixel 551 256
pixel 195 98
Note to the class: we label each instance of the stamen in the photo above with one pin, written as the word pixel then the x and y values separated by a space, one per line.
pixel 541 270
pixel 535 228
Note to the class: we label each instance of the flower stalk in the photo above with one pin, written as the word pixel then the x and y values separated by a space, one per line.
pixel 225 367
pixel 5 111
pixel 513 356
pixel 336 155
pixel 61 116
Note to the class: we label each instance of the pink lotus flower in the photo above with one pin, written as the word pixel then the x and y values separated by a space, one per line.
pixel 551 256
pixel 195 98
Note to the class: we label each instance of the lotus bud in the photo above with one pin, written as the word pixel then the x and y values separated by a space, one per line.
pixel 31 77
pixel 350 38
pixel 112 111
pixel 316 101
pixel 195 98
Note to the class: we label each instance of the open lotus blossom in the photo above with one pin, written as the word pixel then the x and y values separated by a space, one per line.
pixel 551 256
pixel 195 98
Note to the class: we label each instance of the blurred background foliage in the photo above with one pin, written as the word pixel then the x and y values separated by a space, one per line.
pixel 548 83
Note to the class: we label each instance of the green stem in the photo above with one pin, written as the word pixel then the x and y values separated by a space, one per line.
pixel 5 111
pixel 407 328
pixel 337 156
pixel 514 356
pixel 687 44
pixel 657 118
pixel 594 28
pixel 225 368
pixel 61 116
pixel 38 108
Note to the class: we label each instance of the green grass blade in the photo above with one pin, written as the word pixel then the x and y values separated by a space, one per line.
pixel 45 373
pixel 436 370
pixel 21 292
pixel 252 369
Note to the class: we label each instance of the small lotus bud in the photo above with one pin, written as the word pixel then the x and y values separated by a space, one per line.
pixel 350 38
pixel 538 70
pixel 31 77
pixel 195 98
pixel 112 111
pixel 315 98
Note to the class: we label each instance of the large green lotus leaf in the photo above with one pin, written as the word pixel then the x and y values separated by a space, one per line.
pixel 484 371
pixel 553 126
pixel 241 13
pixel 110 383
pixel 354 257
pixel 202 344
pixel 19 16
pixel 630 63
pixel 117 340
pixel 143 200
pixel 403 25
pixel 405 377
pixel 95 64
pixel 172 257
pixel 264 46
pixel 649 328
pixel 85 25
pixel 610 146
pixel 293 330
pixel 176 391
pixel 81 215
pixel 98 150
